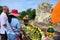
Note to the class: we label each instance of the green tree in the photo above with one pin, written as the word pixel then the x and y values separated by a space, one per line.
pixel 23 13
pixel 30 12
pixel 1 9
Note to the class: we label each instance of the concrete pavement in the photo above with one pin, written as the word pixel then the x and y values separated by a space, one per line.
pixel 0 37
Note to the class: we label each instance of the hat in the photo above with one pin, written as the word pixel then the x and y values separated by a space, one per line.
pixel 50 26
pixel 14 12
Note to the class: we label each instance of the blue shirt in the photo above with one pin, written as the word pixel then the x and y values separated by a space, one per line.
pixel 15 23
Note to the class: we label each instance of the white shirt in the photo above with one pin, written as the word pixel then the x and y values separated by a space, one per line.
pixel 3 19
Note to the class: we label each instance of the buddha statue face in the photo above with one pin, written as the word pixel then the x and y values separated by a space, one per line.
pixel 43 12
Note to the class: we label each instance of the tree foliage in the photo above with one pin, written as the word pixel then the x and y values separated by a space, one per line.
pixel 1 9
pixel 30 12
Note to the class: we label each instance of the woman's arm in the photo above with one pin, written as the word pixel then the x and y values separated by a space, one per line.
pixel 19 26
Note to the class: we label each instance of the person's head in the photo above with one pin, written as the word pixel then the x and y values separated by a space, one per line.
pixel 5 9
pixel 13 14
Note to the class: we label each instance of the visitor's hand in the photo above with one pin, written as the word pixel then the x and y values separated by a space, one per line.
pixel 5 25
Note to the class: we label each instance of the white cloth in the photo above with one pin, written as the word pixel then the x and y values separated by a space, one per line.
pixel 3 19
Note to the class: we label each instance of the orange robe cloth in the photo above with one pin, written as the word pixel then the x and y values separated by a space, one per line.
pixel 56 13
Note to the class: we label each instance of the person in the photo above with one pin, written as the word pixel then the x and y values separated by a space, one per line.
pixel 3 19
pixel 13 25
pixel 26 21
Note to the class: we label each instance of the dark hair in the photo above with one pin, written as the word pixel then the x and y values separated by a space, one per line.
pixel 10 18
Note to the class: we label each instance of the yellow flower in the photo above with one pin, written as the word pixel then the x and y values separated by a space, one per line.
pixel 34 39
pixel 28 28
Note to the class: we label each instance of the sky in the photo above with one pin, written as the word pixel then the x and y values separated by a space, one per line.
pixel 22 5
